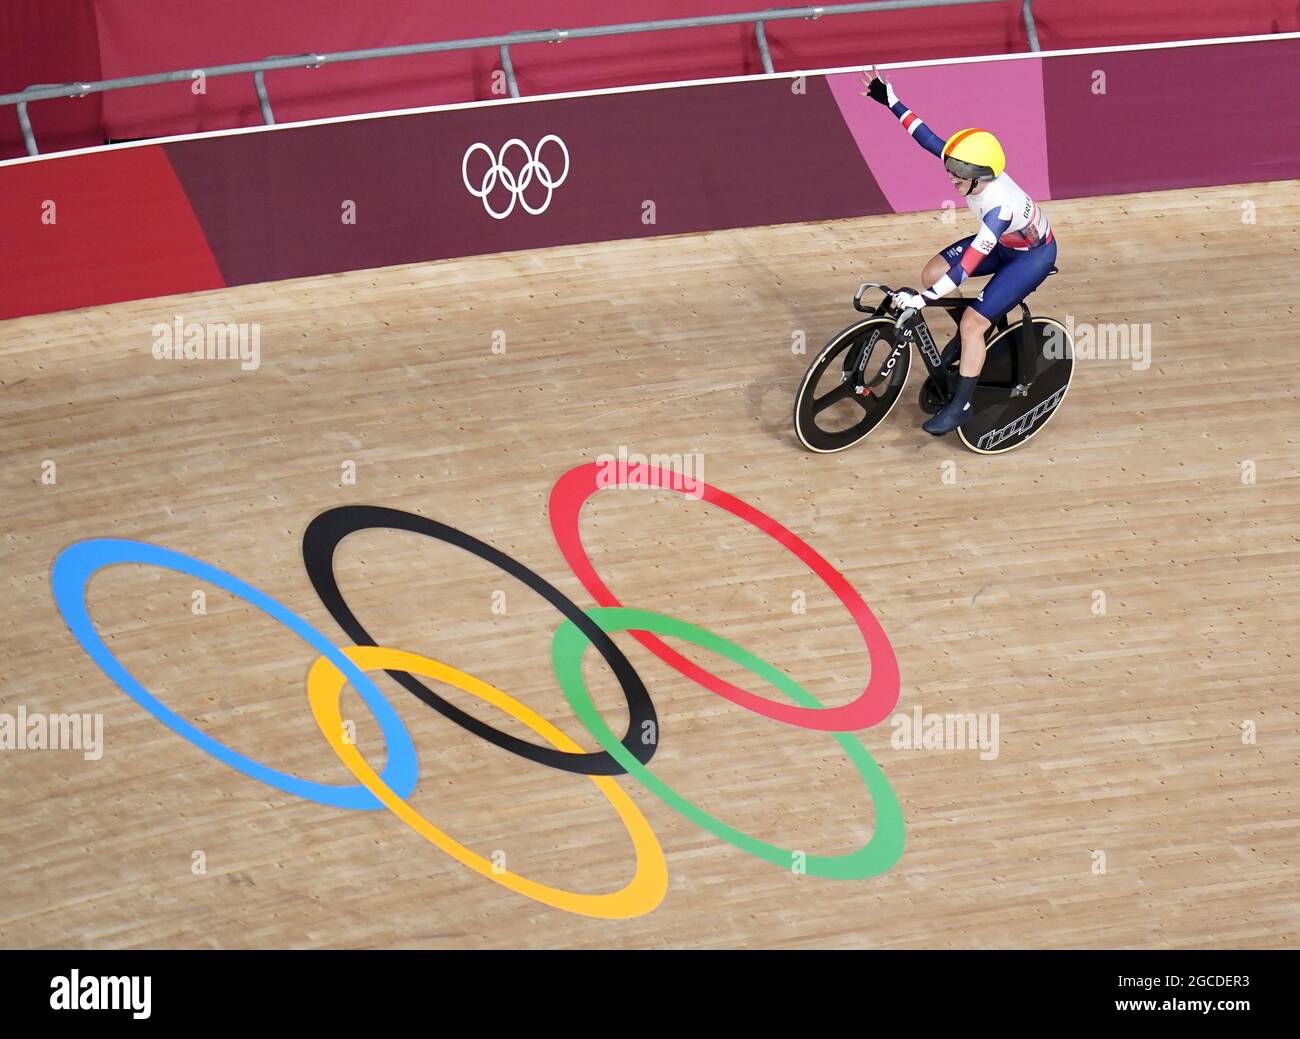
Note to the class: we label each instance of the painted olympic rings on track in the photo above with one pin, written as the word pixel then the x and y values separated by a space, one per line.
pixel 643 892
pixel 872 859
pixel 321 540
pixel 78 563
pixel 573 489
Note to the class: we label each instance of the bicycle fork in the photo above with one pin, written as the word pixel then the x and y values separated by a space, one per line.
pixel 915 330
pixel 877 385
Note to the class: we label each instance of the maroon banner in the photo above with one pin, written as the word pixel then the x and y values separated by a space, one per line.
pixel 295 201
pixel 387 191
pixel 1174 118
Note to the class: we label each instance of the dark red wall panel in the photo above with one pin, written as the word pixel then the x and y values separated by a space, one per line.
pixel 123 229
pixel 1068 24
pixel 147 35
pixel 50 41
pixel 707 157
pixel 55 41
pixel 1178 117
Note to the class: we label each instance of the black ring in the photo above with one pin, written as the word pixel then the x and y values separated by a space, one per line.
pixel 321 539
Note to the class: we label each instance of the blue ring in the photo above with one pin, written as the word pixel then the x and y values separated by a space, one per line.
pixel 73 569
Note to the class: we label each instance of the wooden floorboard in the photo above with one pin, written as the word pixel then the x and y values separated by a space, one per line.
pixel 1120 733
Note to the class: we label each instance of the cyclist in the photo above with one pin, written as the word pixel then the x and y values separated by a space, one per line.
pixel 1014 243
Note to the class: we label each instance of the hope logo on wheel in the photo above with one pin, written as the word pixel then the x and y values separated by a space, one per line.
pixel 514 169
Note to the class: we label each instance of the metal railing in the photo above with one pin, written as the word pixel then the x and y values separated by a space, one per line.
pixel 258 69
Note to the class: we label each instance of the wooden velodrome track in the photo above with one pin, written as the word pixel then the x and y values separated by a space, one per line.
pixel 1120 733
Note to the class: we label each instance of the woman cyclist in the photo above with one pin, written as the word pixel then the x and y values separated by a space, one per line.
pixel 1014 243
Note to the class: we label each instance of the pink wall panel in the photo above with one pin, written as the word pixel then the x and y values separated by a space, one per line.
pixel 1005 97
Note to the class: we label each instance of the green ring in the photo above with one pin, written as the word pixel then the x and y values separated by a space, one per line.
pixel 875 857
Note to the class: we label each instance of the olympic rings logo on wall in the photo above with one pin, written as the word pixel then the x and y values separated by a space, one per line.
pixel 516 185
pixel 630 754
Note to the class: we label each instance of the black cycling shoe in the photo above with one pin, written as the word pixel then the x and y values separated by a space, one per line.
pixel 952 415
pixel 956 411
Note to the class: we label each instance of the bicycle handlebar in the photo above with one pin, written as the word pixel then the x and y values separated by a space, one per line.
pixel 857 296
pixel 947 304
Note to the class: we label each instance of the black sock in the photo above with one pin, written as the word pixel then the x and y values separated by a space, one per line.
pixel 965 390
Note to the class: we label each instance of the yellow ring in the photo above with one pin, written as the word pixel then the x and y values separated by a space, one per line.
pixel 643 893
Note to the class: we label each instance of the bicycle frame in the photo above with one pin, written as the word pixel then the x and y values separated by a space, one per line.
pixel 915 330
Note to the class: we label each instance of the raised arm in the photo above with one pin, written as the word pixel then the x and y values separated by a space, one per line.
pixel 879 89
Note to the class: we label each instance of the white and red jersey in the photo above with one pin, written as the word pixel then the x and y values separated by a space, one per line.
pixel 1007 217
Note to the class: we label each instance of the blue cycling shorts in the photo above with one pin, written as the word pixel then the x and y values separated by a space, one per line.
pixel 1016 273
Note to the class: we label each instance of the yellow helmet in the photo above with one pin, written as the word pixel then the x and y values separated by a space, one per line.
pixel 974 154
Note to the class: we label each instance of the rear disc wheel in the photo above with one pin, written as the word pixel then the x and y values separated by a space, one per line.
pixel 1024 380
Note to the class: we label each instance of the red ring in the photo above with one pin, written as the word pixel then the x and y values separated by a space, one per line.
pixel 571 492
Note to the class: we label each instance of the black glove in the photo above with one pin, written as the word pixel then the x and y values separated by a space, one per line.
pixel 878 90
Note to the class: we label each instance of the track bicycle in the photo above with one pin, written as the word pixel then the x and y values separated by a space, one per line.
pixel 843 396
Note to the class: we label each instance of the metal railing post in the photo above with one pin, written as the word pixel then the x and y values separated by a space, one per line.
pixel 508 67
pixel 760 34
pixel 1027 9
pixel 29 138
pixel 263 101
